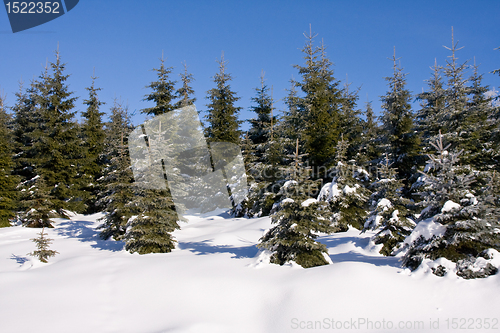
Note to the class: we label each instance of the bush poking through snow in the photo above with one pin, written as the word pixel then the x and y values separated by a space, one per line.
pixel 43 253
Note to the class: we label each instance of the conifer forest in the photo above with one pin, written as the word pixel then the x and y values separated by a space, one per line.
pixel 420 181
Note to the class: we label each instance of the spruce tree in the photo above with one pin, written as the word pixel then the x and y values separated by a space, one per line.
pixel 345 194
pixel 55 140
pixel 185 92
pixel 320 105
pixel 397 121
pixel 93 136
pixel 297 219
pixel 8 182
pixel 163 91
pixel 461 229
pixel 36 205
pixel 117 181
pixel 223 124
pixel 350 120
pixel 389 215
pixel 369 147
pixel 43 253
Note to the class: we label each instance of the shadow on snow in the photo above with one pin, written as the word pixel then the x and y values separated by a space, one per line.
pixel 84 232
pixel 201 248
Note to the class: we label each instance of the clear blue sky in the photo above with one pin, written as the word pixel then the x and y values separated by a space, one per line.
pixel 123 40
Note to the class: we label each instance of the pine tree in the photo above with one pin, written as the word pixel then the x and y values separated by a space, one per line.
pixel 346 195
pixel 186 91
pixel 117 181
pixel 350 120
pixel 403 143
pixel 389 215
pixel 163 91
pixel 223 124
pixel 320 105
pixel 298 218
pixel 42 244
pixel 93 136
pixel 453 208
pixel 8 182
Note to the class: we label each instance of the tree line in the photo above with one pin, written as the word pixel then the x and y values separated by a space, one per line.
pixel 324 165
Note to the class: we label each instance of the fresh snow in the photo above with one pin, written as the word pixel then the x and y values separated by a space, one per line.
pixel 217 281
pixel 449 206
pixel 307 202
pixel 384 203
pixel 426 228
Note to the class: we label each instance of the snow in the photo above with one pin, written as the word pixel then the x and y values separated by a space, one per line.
pixel 216 281
pixel 450 206
pixel 426 228
pixel 384 204
pixel 329 192
pixel 349 190
pixel 307 202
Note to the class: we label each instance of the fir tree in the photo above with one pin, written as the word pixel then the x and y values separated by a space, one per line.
pixel 350 120
pixel 36 205
pixel 298 218
pixel 369 147
pixel 453 207
pixel 117 181
pixel 346 195
pixel 43 253
pixel 8 182
pixel 163 91
pixel 55 140
pixel 186 91
pixel 320 105
pixel 389 215
pixel 93 136
pixel 403 143
pixel 223 124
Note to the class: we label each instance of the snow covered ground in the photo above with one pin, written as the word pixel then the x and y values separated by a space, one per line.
pixel 216 280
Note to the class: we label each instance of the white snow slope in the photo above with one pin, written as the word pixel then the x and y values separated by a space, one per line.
pixel 217 281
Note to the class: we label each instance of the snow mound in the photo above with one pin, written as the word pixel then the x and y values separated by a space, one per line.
pixel 450 206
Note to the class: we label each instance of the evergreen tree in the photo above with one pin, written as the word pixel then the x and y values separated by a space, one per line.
pixel 163 91
pixel 43 253
pixel 389 215
pixel 346 195
pixel 461 231
pixel 369 147
pixel 298 218
pixel 117 181
pixel 26 120
pixel 320 105
pixel 432 102
pixel 186 91
pixel 93 136
pixel 36 205
pixel 223 124
pixel 55 140
pixel 8 182
pixel 403 143
pixel 350 120
pixel 260 130
pixel 293 124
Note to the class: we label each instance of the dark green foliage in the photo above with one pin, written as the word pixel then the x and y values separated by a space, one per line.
pixel 55 144
pixel 261 127
pixel 43 253
pixel 369 146
pixel 351 124
pixel 150 231
pixel 116 184
pixel 320 106
pixel 93 135
pixel 163 91
pixel 345 194
pixel 397 119
pixel 297 219
pixel 36 205
pixel 186 91
pixel 8 182
pixel 223 123
pixel 389 214
pixel 450 201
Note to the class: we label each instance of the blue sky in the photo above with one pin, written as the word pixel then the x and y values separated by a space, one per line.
pixel 124 39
